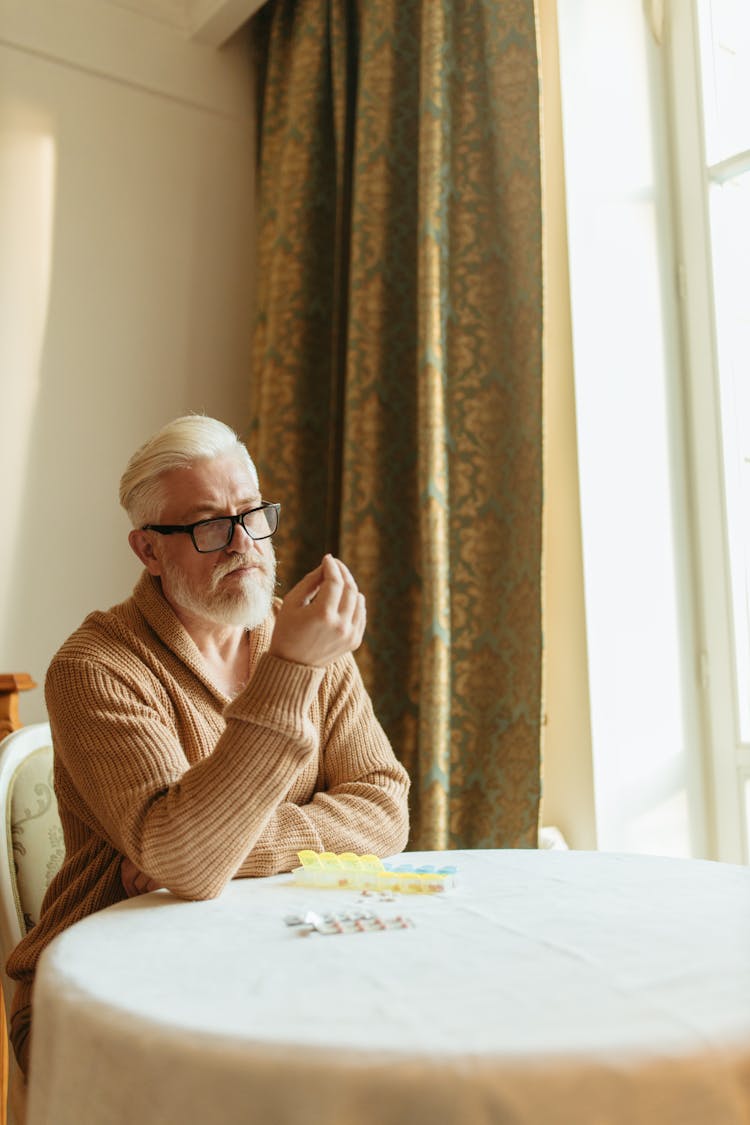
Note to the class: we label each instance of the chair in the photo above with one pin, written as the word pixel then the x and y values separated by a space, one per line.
pixel 31 851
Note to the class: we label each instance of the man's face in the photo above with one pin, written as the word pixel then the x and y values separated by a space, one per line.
pixel 233 586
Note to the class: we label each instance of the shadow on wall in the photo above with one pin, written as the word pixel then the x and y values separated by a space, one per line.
pixel 126 286
pixel 27 216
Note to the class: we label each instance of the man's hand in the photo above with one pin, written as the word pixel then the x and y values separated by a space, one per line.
pixel 134 881
pixel 322 618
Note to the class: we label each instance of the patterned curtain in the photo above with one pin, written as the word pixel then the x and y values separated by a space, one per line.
pixel 397 389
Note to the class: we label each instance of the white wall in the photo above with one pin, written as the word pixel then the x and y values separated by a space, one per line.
pixel 126 260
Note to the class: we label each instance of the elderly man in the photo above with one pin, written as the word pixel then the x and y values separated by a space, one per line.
pixel 204 730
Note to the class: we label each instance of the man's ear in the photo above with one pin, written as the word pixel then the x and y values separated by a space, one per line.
pixel 142 545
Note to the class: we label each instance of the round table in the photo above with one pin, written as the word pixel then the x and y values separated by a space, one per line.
pixel 548 986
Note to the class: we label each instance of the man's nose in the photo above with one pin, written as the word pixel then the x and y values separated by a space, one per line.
pixel 241 541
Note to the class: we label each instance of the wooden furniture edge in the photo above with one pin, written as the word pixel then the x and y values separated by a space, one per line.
pixel 11 685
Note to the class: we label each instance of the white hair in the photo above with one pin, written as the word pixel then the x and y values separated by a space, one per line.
pixel 178 445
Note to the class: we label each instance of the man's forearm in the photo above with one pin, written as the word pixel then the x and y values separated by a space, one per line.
pixel 361 817
pixel 187 827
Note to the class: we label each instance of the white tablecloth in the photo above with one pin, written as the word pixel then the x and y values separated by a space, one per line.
pixel 547 987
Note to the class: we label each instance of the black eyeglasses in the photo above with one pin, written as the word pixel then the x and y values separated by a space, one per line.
pixel 216 534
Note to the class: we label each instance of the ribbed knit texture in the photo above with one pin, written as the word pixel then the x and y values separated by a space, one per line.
pixel 152 761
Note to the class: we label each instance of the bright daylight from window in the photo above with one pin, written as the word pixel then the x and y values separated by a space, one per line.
pixel 725 61
pixel 657 171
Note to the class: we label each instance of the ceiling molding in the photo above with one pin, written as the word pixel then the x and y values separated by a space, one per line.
pixel 210 22
pixel 213 22
pixel 170 12
pixel 133 43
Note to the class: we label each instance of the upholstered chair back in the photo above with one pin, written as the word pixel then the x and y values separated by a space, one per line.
pixel 31 851
pixel 31 846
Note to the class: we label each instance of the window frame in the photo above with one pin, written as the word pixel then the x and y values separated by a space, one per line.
pixel 727 759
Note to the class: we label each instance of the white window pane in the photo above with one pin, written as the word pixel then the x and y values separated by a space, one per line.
pixel 639 644
pixel 730 233
pixel 725 50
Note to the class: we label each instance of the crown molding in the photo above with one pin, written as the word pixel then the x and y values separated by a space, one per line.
pixel 145 44
pixel 173 13
pixel 210 22
pixel 213 22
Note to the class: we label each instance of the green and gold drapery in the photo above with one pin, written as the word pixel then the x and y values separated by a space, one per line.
pixel 397 390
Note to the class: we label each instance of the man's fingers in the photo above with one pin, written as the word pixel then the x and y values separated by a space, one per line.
pixel 322 618
pixel 347 575
pixel 348 604
pixel 136 882
pixel 342 588
pixel 307 587
pixel 333 570
pixel 328 596
pixel 360 618
pixel 330 571
pixel 128 874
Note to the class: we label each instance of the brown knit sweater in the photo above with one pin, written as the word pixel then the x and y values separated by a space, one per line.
pixel 153 762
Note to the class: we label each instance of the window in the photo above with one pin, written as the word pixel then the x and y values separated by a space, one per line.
pixel 646 736
pixel 724 33
pixel 708 55
pixel 657 169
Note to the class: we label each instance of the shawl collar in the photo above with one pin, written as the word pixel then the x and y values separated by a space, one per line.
pixel 159 615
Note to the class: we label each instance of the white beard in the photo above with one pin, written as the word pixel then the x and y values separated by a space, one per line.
pixel 248 606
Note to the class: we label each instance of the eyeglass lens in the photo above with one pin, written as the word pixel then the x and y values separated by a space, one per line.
pixel 215 534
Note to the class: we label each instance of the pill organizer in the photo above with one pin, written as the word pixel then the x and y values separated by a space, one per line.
pixel 368 873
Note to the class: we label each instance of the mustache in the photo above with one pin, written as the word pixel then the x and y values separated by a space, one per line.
pixel 236 563
pixel 267 568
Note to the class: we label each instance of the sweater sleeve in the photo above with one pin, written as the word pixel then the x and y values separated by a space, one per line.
pixel 187 826
pixel 362 806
